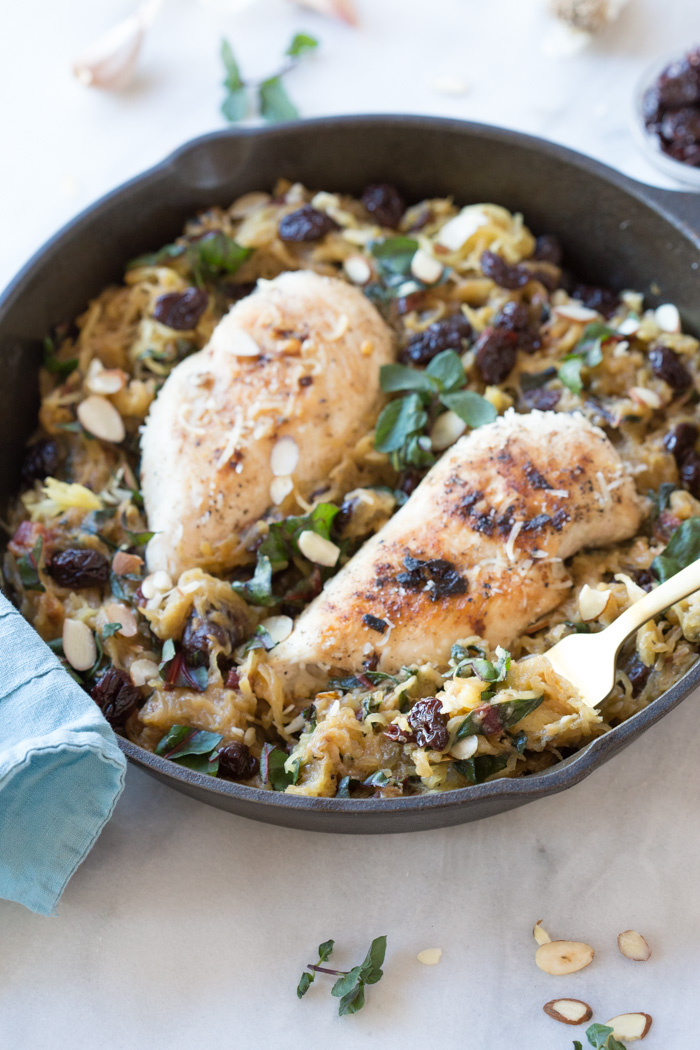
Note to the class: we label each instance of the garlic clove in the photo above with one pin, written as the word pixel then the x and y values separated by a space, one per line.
pixel 110 63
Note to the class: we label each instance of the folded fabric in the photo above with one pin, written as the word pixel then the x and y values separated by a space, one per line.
pixel 61 770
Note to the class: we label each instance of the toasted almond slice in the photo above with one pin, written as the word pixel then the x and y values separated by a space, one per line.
pixel 119 613
pixel 425 268
pixel 357 269
pixel 124 564
pixel 429 956
pixel 143 671
pixel 575 312
pixel 645 397
pixel 630 1027
pixel 447 429
pixel 99 417
pixel 317 549
pixel 465 748
pixel 630 326
pixel 230 339
pixel 101 380
pixel 457 231
pixel 284 457
pixel 633 946
pixel 540 934
pixel 79 646
pixel 568 1011
pixel 591 603
pixel 561 957
pixel 244 205
pixel 280 489
pixel 278 627
pixel 667 318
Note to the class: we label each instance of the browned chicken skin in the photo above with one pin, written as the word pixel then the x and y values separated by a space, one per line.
pixel 478 549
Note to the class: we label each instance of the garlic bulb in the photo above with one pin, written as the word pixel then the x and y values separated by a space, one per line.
pixel 588 15
pixel 111 61
pixel 345 10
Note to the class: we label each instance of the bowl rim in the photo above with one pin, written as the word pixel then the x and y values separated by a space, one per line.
pixel 565 773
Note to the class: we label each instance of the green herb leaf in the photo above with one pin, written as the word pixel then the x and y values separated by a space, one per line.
pixel 577 1045
pixel 600 1036
pixel 447 370
pixel 534 380
pixel 167 654
pixel 325 951
pixel 371 968
pixel 235 105
pixel 661 499
pixel 491 719
pixel 476 770
pixel 301 44
pixel 393 256
pixel 681 550
pixel 474 409
pixel 182 741
pixel 354 998
pixel 215 253
pixel 258 590
pixel 400 377
pixel 160 258
pixel 28 568
pixel 53 364
pixel 400 420
pixel 260 640
pixel 570 373
pixel 109 629
pixel 272 771
pixel 305 983
pixel 275 104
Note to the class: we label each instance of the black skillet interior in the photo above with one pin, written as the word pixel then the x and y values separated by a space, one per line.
pixel 614 232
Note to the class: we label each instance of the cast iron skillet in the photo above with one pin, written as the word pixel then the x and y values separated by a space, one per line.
pixel 614 231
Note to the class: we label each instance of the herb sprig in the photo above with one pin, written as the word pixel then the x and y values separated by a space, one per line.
pixel 205 258
pixel 350 986
pixel 600 1037
pixel 681 550
pixel 588 351
pixel 402 424
pixel 273 102
pixel 194 748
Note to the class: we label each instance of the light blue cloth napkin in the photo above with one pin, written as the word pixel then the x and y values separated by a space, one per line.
pixel 61 771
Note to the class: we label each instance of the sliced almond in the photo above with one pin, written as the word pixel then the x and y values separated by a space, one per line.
pixel 284 457
pixel 79 646
pixel 667 318
pixel 633 946
pixel 457 231
pixel 429 956
pixel 447 429
pixel 278 627
pixel 465 748
pixel 119 613
pixel 645 397
pixel 357 269
pixel 247 203
pixel 157 583
pixel 425 268
pixel 99 417
pixel 561 957
pixel 568 1011
pixel 280 489
pixel 630 1027
pixel 124 564
pixel 143 671
pixel 575 312
pixel 540 934
pixel 591 603
pixel 228 338
pixel 630 326
pixel 318 549
pixel 101 380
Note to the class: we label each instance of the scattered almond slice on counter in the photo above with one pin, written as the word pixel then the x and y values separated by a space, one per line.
pixel 633 946
pixel 79 646
pixel 630 1027
pixel 100 418
pixel 429 956
pixel 561 957
pixel 540 934
pixel 568 1011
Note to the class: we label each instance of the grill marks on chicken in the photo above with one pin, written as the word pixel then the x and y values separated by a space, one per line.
pixel 298 359
pixel 477 549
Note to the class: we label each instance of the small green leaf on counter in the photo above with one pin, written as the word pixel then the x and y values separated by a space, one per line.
pixel 275 104
pixel 600 1037
pixel 681 550
pixel 301 44
pixel 325 951
pixel 350 988
pixel 235 105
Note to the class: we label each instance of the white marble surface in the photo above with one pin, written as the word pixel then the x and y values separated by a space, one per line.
pixel 188 926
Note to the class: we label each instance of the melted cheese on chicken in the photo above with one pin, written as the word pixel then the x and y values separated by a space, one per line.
pixel 478 549
pixel 297 360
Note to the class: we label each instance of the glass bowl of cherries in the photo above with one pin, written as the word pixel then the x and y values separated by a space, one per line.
pixel 667 116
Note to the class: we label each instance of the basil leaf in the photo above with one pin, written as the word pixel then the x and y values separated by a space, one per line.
pixel 28 568
pixel 662 498
pixel 325 951
pixel 474 409
pixel 233 74
pixel 354 999
pixel 215 253
pixel 235 105
pixel 490 719
pixel 533 380
pixel 305 983
pixel 371 968
pixel 207 764
pixel 301 44
pixel 401 377
pixel 400 420
pixel 476 770
pixel 109 629
pixel 275 104
pixel 393 256
pixel 258 590
pixel 681 550
pixel 599 1036
pixel 446 368
pixel 577 1045
pixel 570 374
pixel 272 769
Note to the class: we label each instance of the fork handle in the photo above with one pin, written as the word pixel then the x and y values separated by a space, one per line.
pixel 680 586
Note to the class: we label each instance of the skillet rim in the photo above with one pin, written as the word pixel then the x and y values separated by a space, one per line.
pixel 504 790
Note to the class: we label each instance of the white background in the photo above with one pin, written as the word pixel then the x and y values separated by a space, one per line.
pixel 189 927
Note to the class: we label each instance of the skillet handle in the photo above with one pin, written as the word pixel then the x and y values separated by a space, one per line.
pixel 681 206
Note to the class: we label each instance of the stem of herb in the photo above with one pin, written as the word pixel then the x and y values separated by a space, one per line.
pixel 324 969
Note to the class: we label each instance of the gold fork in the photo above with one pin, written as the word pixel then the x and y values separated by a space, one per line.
pixel 588 660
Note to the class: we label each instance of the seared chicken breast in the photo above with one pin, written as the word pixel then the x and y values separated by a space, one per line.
pixel 286 385
pixel 478 549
